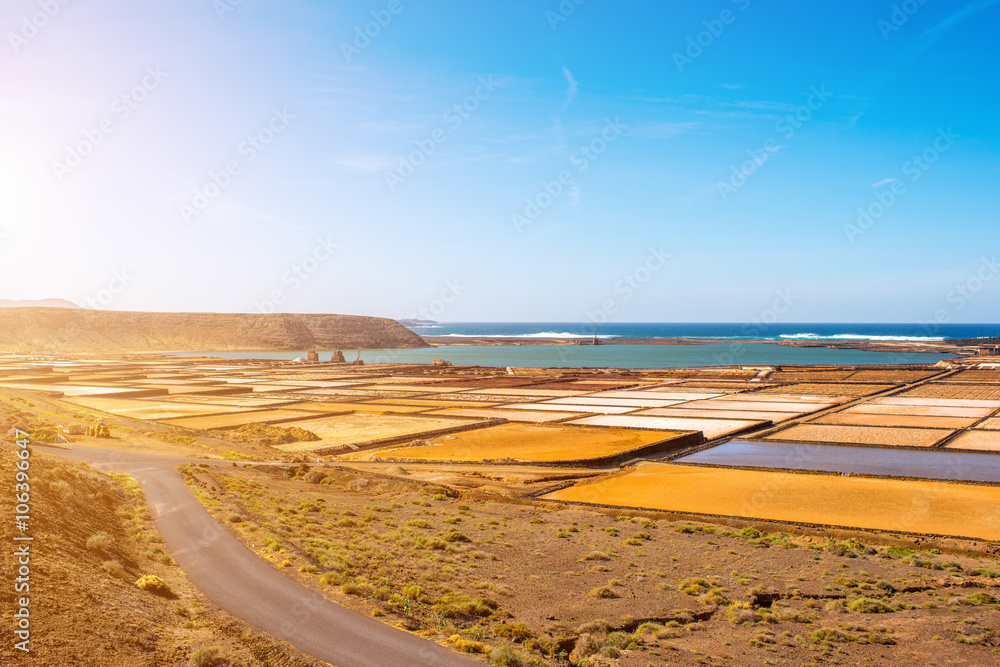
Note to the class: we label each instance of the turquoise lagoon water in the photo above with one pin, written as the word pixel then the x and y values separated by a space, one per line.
pixel 728 353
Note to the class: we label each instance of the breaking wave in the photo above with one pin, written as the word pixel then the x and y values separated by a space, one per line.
pixel 850 336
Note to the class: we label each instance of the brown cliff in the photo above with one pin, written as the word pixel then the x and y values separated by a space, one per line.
pixel 43 330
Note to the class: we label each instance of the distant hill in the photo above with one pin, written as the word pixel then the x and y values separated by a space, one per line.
pixel 41 330
pixel 37 303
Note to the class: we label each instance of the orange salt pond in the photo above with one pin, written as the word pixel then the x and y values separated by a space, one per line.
pixel 938 508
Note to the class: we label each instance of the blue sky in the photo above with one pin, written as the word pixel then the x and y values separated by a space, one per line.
pixel 640 161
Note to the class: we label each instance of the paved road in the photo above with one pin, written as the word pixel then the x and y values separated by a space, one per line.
pixel 243 584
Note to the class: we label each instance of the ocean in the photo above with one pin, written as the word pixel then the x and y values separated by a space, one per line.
pixel 728 348
pixel 725 331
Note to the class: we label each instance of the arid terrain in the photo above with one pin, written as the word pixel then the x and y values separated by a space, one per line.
pixel 532 517
pixel 93 542
pixel 80 330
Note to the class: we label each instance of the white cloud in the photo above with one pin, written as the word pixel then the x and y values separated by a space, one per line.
pixel 884 181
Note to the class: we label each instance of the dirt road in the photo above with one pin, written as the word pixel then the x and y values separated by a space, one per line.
pixel 237 580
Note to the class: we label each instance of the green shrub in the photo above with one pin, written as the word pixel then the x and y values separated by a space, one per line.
pixel 414 592
pixel 455 536
pixel 868 606
pixel 469 646
pixel 985 572
pixel 519 632
pixel 832 635
pixel 153 584
pixel 332 578
pixel 978 599
pixel 505 656
pixel 694 586
pixel 352 588
pixel 456 605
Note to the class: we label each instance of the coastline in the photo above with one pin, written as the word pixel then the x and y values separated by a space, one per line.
pixel 943 346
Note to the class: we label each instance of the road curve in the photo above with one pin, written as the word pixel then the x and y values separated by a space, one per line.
pixel 242 583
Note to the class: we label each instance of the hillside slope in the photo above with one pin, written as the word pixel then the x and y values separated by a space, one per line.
pixel 66 330
pixel 37 303
pixel 93 539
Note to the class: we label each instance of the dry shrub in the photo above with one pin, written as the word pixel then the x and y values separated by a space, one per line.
pixel 740 613
pixel 205 656
pixel 99 542
pixel 516 631
pixel 114 568
pixel 586 646
pixel 602 593
pixel 267 436
pixel 315 476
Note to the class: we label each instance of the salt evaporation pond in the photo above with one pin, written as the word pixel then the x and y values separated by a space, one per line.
pixel 861 460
